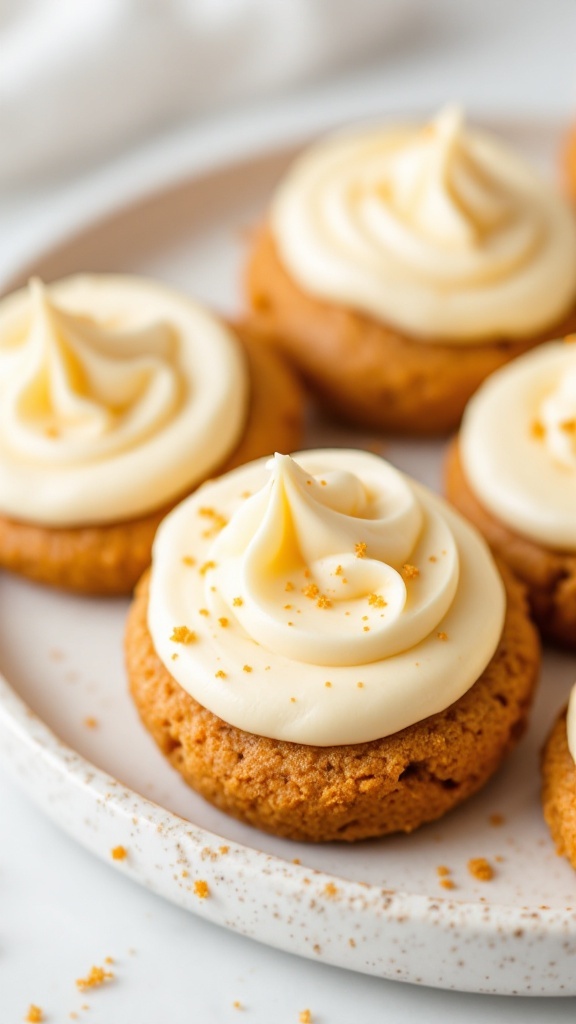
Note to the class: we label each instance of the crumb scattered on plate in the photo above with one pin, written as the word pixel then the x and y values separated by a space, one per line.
pixel 96 976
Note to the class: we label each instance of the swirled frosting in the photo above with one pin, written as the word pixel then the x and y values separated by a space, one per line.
pixel 109 407
pixel 322 599
pixel 439 230
pixel 518 445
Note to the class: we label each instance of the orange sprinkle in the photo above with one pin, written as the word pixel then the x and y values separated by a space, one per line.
pixel 206 567
pixel 223 622
pixel 360 549
pixel 442 871
pixel 366 629
pixel 188 560
pixel 91 723
pixel 338 570
pixel 220 674
pixel 247 668
pixel 410 572
pixel 311 590
pixel 377 601
pixel 327 683
pixel 35 1014
pixel 324 483
pixel 183 635
pixel 360 685
pixel 432 558
pixel 223 849
pixel 442 636
pixel 292 700
pixel 481 869
pixel 204 612
pixel 119 853
pixel 201 889
pixel 97 976
pixel 289 586
pixel 447 883
pixel 175 656
pixel 323 602
pixel 305 1017
pixel 569 426
pixel 237 601
pixel 330 890
pixel 287 607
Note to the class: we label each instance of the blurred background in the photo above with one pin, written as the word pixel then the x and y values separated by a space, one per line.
pixel 88 85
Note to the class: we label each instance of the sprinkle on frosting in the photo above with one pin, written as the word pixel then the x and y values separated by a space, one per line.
pixel 183 635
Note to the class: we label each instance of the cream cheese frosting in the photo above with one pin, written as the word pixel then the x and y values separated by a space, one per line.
pixel 322 599
pixel 571 723
pixel 116 395
pixel 438 229
pixel 518 445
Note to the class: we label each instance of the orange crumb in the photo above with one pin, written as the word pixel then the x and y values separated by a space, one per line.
pixel 307 574
pixel 185 873
pixel 447 883
pixel 410 572
pixel 223 849
pixel 201 889
pixel 330 890
pixel 496 820
pixel 237 601
pixel 35 1014
pixel 324 483
pixel 305 1017
pixel 296 860
pixel 287 607
pixel 377 601
pixel 481 869
pixel 442 636
pixel 360 549
pixel 359 685
pixel 309 482
pixel 432 558
pixel 569 426
pixel 247 668
pixel 204 612
pixel 537 429
pixel 442 871
pixel 310 590
pixel 174 657
pixel 237 1005
pixel 292 700
pixel 108 959
pixel 246 494
pixel 220 674
pixel 223 622
pixel 323 602
pixel 206 567
pixel 183 635
pixel 218 521
pixel 338 570
pixel 328 683
pixel 119 853
pixel 91 723
pixel 188 560
pixel 352 943
pixel 96 976
pixel 289 586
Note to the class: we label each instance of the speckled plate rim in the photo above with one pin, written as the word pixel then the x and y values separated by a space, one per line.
pixel 357 926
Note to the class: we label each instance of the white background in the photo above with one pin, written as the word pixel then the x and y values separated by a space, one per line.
pixel 60 909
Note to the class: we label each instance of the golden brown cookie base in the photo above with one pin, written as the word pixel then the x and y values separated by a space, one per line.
pixel 549 576
pixel 351 792
pixel 110 559
pixel 559 790
pixel 569 162
pixel 366 372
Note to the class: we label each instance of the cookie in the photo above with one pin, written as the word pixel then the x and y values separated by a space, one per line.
pixel 335 656
pixel 400 265
pixel 559 790
pixel 119 397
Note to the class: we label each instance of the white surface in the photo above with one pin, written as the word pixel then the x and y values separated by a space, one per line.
pixel 61 910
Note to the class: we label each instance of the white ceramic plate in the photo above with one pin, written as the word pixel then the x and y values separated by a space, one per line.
pixel 384 912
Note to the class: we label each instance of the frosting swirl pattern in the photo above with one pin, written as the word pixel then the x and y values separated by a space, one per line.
pixel 439 230
pixel 518 445
pixel 331 600
pixel 108 407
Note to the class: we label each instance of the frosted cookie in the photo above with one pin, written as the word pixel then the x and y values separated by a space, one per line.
pixel 559 781
pixel 401 265
pixel 339 659
pixel 512 472
pixel 119 396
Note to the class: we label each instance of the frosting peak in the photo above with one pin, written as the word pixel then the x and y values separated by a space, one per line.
pixel 438 229
pixel 74 389
pixel 318 562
